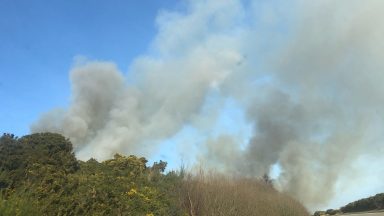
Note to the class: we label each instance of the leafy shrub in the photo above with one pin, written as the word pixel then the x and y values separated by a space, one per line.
pixel 16 205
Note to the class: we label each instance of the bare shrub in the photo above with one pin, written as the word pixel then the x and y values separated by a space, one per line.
pixel 214 194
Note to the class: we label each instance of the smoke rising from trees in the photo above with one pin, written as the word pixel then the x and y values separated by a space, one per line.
pixel 309 80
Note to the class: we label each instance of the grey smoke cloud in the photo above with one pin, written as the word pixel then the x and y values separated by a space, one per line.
pixel 309 80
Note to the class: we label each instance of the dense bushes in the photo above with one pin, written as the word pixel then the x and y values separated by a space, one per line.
pixel 40 172
pixel 29 158
pixel 39 175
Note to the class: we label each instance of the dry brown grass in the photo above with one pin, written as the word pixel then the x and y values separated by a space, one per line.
pixel 217 195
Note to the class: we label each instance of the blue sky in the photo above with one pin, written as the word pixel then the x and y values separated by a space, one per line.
pixel 40 39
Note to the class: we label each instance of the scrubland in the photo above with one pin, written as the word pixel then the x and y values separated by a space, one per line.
pixel 40 175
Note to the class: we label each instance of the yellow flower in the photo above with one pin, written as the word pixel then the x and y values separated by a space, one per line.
pixel 149 214
pixel 132 192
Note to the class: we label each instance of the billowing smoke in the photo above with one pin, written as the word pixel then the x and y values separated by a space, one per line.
pixel 307 75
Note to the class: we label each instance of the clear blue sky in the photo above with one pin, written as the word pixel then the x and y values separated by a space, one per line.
pixel 39 40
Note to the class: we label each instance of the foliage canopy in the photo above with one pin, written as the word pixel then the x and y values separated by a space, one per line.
pixel 40 175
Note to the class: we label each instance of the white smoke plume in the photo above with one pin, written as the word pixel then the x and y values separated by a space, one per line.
pixel 308 75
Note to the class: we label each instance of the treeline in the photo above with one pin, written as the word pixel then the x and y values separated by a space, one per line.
pixel 39 175
pixel 372 203
pixel 368 204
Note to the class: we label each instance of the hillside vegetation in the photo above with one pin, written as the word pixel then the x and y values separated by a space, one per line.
pixel 39 175
pixel 368 204
pixel 372 203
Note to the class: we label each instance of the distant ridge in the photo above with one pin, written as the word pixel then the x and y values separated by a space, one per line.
pixel 367 204
pixel 373 203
